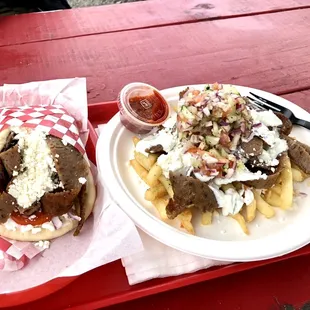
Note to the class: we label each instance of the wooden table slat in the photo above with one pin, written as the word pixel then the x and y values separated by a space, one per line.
pixel 269 52
pixel 300 98
pixel 103 19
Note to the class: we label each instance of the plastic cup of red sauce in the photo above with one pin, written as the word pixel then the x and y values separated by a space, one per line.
pixel 142 107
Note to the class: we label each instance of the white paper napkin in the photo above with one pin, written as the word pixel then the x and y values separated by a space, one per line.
pixel 158 260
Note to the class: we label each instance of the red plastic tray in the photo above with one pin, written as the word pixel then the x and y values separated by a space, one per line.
pixel 50 287
pixel 110 280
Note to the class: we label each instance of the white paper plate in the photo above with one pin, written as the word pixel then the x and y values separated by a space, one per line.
pixel 223 240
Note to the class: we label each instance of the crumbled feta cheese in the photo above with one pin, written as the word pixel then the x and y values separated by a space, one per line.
pixel 43 244
pixel 36 230
pixel 82 180
pixel 64 142
pixel 49 226
pixel 25 228
pixel 37 168
pixel 15 173
pixel 57 155
pixel 10 225
pixel 32 217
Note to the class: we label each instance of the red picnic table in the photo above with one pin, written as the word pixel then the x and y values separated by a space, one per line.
pixel 261 44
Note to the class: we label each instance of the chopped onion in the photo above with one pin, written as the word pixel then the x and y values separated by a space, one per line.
pixel 208 124
pixel 195 139
pixel 235 141
pixel 230 173
pixel 249 138
pixel 242 127
pixel 235 131
pixel 227 128
pixel 223 123
pixel 213 171
pixel 300 194
pixel 206 111
pixel 257 125
pixel 224 139
pixel 73 216
pixel 240 107
pixel 57 222
pixel 234 165
pixel 223 161
pixel 215 129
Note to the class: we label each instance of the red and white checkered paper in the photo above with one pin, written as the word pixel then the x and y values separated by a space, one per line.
pixel 52 119
pixel 14 255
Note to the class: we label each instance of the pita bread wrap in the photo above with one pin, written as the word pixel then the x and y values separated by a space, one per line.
pixel 44 174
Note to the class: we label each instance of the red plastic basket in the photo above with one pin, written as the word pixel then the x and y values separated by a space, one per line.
pixel 21 297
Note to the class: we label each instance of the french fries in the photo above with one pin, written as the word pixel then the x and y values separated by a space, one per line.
pixel 166 182
pixel 160 204
pixel 298 174
pixel 153 175
pixel 241 221
pixel 287 185
pixel 146 162
pixel 272 198
pixel 262 206
pixel 186 221
pixel 141 171
pixel 135 140
pixel 250 211
pixel 277 189
pixel 206 218
pixel 155 192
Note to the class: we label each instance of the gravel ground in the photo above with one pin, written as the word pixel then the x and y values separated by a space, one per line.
pixel 83 3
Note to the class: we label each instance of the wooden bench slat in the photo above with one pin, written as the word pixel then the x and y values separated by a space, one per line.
pixel 103 19
pixel 266 52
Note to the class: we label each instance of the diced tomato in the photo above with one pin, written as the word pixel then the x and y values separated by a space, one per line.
pixel 196 150
pixel 39 218
pixel 224 139
pixel 196 92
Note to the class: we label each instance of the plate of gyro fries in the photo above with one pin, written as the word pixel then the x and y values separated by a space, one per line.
pixel 215 177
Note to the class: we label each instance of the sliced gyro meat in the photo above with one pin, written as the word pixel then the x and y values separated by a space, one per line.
pixel 31 210
pixel 155 149
pixel 11 160
pixel 189 192
pixel 299 154
pixel 7 205
pixel 58 203
pixel 183 92
pixel 271 178
pixel 4 180
pixel 253 147
pixel 287 125
pixel 69 163
pixel 80 203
